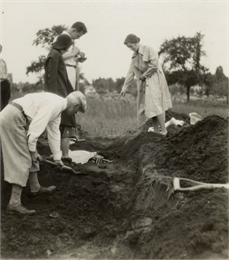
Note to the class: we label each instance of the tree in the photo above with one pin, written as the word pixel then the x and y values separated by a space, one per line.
pixel 221 83
pixel 37 67
pixel 181 60
pixel 119 83
pixel 220 76
pixel 44 38
pixel 208 80
pixel 132 88
pixel 101 85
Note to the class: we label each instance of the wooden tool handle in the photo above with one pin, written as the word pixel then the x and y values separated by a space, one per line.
pixel 49 162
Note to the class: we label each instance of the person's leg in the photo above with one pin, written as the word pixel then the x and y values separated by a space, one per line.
pixel 15 198
pixel 35 187
pixel 16 156
pixel 155 125
pixel 67 132
pixel 15 206
pixel 65 143
pixel 34 184
pixel 5 93
pixel 161 121
pixel 65 140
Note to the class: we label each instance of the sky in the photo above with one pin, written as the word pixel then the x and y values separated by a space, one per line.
pixel 108 23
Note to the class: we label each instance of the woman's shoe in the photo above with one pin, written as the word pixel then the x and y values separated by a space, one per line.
pixel 19 210
pixel 43 191
pixel 164 133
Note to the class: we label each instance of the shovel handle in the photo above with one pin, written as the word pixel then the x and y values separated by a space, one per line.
pixel 49 162
pixel 63 167
pixel 205 186
pixel 193 182
pixel 198 186
pixel 108 161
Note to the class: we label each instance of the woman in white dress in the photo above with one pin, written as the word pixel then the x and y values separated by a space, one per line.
pixel 153 93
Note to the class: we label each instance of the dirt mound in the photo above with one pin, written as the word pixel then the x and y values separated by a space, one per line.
pixel 128 209
pixel 128 148
pixel 195 228
pixel 200 150
pixel 184 225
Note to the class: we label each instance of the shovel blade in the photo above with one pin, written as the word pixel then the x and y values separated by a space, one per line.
pixel 71 170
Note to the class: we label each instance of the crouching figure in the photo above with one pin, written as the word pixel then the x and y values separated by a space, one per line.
pixel 22 122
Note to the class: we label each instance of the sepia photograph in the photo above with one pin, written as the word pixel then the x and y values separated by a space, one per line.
pixel 114 129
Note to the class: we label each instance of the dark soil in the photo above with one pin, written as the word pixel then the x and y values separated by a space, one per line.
pixel 128 209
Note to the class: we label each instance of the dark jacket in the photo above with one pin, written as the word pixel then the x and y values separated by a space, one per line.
pixel 57 82
pixel 56 77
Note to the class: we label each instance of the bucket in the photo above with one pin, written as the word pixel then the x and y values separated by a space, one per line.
pixel 194 118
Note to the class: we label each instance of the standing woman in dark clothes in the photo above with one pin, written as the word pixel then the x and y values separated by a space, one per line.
pixel 5 83
pixel 56 81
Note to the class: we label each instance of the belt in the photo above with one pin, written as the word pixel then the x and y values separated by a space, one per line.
pixel 20 108
pixel 73 66
pixel 17 106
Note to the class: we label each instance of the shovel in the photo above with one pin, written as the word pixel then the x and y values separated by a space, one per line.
pixel 63 167
pixel 196 185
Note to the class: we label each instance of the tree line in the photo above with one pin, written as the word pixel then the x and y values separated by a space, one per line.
pixel 182 64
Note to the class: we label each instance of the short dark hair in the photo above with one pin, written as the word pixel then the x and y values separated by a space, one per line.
pixel 80 27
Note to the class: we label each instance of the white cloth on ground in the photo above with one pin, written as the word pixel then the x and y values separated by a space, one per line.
pixel 81 156
pixel 172 121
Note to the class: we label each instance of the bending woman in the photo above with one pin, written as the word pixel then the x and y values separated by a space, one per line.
pixel 153 93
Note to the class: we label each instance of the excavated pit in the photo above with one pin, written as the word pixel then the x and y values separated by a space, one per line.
pixel 128 209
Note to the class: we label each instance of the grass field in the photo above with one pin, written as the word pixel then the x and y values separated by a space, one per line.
pixel 202 107
pixel 115 117
pixel 109 117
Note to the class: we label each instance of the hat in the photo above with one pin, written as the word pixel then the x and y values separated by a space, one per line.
pixel 77 97
pixel 62 42
pixel 131 38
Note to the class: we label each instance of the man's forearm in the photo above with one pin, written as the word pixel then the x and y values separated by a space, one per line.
pixel 67 56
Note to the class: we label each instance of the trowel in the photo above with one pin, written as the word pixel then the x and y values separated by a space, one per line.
pixel 196 185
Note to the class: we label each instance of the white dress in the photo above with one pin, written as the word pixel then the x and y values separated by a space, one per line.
pixel 153 94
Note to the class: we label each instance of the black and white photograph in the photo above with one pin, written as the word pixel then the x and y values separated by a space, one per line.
pixel 114 129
